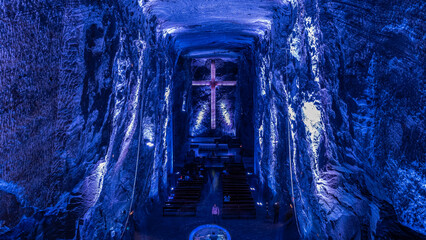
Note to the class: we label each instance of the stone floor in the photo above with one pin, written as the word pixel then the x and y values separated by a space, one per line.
pixel 157 227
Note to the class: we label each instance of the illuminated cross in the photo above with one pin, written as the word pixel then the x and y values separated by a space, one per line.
pixel 212 83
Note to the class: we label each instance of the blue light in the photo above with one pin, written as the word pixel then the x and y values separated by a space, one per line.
pixel 184 102
pixel 210 228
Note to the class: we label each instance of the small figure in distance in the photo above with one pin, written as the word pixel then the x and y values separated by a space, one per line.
pixel 227 198
pixel 276 212
pixel 215 213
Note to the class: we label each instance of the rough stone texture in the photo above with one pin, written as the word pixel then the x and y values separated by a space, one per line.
pixel 353 85
pixel 333 89
pixel 74 75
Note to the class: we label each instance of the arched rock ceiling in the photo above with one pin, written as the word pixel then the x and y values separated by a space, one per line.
pixel 205 28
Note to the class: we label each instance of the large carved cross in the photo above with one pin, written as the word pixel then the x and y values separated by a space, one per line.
pixel 212 83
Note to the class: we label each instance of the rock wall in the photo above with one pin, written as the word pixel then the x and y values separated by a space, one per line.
pixel 88 101
pixel 350 76
pixel 77 76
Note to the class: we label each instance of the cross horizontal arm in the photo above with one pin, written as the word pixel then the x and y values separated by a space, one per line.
pixel 226 83
pixel 200 83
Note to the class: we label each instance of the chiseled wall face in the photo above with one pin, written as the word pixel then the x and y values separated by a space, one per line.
pixel 337 108
pixel 350 83
pixel 76 79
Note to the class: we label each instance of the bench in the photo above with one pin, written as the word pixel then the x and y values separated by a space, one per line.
pixel 184 197
pixel 180 210
pixel 234 184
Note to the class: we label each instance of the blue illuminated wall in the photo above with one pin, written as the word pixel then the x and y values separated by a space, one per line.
pixel 92 79
pixel 330 99
pixel 335 96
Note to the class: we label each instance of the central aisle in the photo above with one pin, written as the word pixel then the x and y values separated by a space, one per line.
pixel 157 227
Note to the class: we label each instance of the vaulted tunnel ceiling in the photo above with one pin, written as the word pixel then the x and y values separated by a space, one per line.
pixel 205 28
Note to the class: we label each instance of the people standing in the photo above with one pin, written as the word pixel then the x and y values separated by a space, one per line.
pixel 215 213
pixel 241 153
pixel 276 212
pixel 227 198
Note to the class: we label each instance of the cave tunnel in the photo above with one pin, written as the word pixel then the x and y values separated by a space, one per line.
pixel 200 119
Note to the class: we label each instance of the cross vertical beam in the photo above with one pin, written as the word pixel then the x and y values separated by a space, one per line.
pixel 213 106
pixel 213 95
